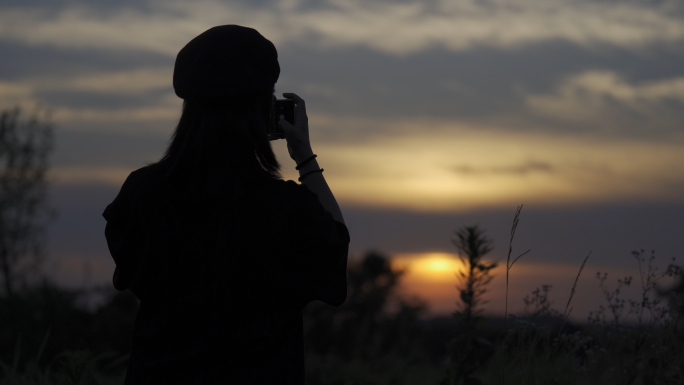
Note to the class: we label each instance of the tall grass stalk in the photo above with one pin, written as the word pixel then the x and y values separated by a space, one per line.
pixel 509 265
pixel 568 309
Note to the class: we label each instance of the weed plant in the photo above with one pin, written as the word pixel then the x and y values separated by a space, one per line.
pixel 624 342
pixel 469 347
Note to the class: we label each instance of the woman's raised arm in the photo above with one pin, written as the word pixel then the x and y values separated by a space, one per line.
pixel 299 147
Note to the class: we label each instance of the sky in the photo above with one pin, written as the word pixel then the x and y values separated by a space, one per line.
pixel 426 115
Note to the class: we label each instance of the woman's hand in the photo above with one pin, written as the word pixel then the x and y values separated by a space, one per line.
pixel 297 135
pixel 298 145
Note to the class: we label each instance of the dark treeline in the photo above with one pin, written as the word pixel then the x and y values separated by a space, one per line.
pixel 50 335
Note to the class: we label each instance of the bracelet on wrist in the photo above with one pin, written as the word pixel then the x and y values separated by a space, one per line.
pixel 305 161
pixel 309 173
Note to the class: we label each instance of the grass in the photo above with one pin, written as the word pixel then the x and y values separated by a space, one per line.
pixel 607 350
pixel 70 367
pixel 625 341
pixel 568 309
pixel 509 265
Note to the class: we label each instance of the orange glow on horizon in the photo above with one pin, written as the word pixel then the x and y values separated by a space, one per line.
pixel 433 277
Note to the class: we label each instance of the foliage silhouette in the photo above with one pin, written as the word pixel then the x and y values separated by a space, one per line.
pixel 25 144
pixel 469 350
pixel 375 337
pixel 48 319
pixel 472 246
pixel 610 349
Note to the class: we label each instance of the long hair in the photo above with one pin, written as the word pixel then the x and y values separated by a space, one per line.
pixel 221 139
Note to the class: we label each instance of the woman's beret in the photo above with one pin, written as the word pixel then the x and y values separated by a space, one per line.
pixel 228 61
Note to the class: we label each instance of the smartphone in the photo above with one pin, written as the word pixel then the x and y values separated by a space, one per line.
pixel 282 109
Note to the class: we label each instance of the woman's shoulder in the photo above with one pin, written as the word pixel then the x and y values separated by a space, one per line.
pixel 292 193
pixel 142 177
pixel 136 183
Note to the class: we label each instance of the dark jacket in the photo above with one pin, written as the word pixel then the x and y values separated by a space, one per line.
pixel 222 275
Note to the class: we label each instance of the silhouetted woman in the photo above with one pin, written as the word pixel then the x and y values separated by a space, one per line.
pixel 221 252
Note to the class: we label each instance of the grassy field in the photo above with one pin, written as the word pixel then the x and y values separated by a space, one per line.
pixel 622 342
pixel 47 337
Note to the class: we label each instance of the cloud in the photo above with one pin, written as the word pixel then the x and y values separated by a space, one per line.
pixel 147 114
pixel 13 93
pixel 594 95
pixel 134 81
pixel 531 166
pixel 69 175
pixel 83 27
pixel 414 168
pixel 436 165
pixel 131 84
pixel 396 28
pixel 122 82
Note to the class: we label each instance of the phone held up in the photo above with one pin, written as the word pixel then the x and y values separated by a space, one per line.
pixel 281 109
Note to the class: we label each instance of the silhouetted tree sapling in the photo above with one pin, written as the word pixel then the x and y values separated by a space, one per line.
pixel 472 246
pixel 25 144
pixel 469 350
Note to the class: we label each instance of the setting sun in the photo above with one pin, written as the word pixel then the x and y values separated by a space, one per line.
pixel 436 265
pixel 428 267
